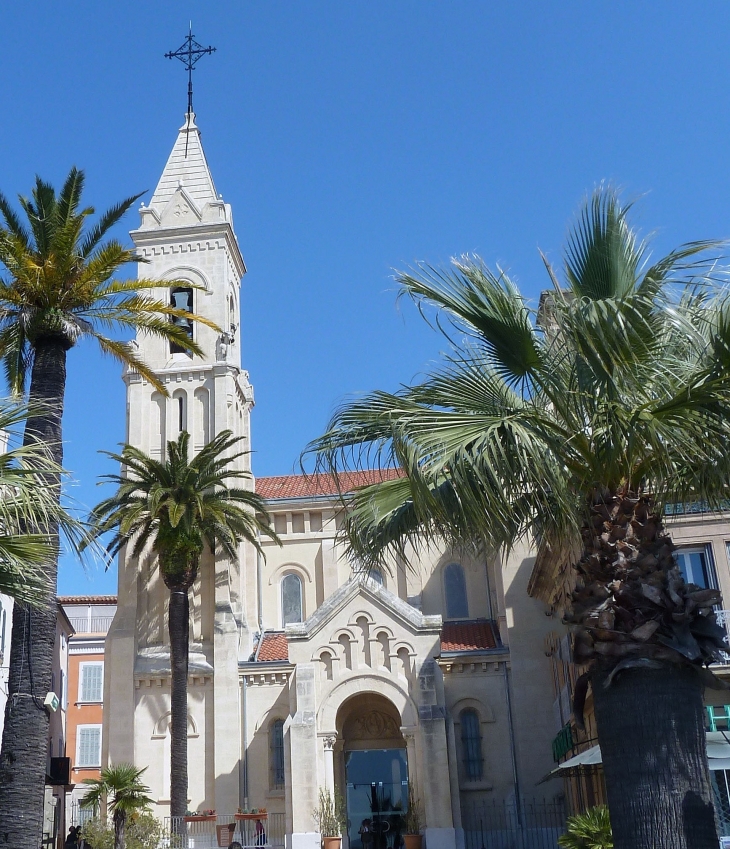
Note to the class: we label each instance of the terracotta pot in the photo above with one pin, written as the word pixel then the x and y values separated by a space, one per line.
pixel 413 841
pixel 332 842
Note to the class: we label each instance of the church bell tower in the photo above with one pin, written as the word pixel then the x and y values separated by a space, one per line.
pixel 185 237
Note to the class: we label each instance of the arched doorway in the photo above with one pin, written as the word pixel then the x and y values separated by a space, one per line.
pixel 375 771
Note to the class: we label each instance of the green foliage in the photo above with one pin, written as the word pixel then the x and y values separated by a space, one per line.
pixel 120 789
pixel 619 381
pixel 179 505
pixel 413 820
pixel 60 282
pixel 590 830
pixel 330 814
pixel 143 831
pixel 27 501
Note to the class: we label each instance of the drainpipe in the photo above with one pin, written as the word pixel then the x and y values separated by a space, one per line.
pixel 244 744
pixel 513 750
pixel 259 569
pixel 489 589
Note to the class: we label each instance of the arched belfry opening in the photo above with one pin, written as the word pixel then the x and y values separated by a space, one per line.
pixel 373 771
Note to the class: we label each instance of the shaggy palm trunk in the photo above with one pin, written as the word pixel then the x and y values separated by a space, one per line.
pixel 179 627
pixel 652 734
pixel 120 821
pixel 647 635
pixel 25 735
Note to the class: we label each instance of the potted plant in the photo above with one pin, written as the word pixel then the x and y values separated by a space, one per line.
pixel 330 818
pixel 200 816
pixel 413 820
pixel 252 814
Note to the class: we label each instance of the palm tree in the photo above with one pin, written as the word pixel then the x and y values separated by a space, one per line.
pixel 120 787
pixel 575 426
pixel 178 507
pixel 589 830
pixel 58 288
pixel 24 503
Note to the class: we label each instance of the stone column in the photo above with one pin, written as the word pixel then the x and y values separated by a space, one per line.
pixel 303 755
pixel 434 788
pixel 226 744
pixel 329 742
pixel 454 783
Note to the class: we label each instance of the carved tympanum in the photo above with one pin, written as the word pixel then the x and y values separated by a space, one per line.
pixel 375 725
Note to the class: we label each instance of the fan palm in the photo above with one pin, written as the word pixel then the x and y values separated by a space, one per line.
pixel 589 830
pixel 178 507
pixel 58 287
pixel 576 427
pixel 122 791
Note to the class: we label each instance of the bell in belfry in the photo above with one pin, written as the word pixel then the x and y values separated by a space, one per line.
pixel 182 302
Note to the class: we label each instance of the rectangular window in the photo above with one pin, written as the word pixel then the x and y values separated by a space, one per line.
pixel 91 679
pixel 88 746
pixel 276 754
pixel 696 566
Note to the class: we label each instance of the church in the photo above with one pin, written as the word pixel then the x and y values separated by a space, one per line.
pixel 305 673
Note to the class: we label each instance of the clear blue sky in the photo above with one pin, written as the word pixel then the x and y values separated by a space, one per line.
pixel 354 138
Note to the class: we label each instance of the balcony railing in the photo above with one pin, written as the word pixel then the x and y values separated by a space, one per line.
pixel 91 625
pixel 222 830
pixel 723 618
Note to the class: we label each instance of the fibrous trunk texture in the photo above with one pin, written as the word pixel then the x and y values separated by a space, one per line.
pixel 120 821
pixel 179 625
pixel 647 637
pixel 652 735
pixel 25 734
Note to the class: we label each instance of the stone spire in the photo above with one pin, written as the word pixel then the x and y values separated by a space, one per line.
pixel 189 172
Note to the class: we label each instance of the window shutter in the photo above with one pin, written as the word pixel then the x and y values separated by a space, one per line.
pixel 91 682
pixel 89 747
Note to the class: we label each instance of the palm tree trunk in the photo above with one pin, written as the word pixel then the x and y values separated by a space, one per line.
pixel 179 627
pixel 651 730
pixel 25 735
pixel 120 820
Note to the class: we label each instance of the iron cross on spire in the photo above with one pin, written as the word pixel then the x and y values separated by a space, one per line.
pixel 189 53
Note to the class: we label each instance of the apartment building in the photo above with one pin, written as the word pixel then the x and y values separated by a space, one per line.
pixel 90 617
pixel 703 555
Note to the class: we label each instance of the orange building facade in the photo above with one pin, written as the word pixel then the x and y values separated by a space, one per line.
pixel 90 617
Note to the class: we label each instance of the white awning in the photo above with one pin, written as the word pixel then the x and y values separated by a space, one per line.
pixel 718 754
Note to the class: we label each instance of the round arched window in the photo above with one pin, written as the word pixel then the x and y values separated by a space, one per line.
pixel 291 599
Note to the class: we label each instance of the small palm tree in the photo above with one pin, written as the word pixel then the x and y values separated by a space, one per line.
pixel 577 426
pixel 58 287
pixel 123 793
pixel 178 507
pixel 589 830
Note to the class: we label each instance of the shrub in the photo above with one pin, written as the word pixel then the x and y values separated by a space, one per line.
pixel 590 830
pixel 143 831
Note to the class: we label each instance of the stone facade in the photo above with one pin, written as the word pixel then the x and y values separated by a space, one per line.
pixel 303 672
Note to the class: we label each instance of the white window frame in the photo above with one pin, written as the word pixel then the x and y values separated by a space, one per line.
pixel 706 549
pixel 77 760
pixel 81 699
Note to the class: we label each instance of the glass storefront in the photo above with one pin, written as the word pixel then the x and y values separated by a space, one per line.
pixel 377 797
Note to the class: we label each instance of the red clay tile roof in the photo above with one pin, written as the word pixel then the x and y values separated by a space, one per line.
pixel 308 486
pixel 273 646
pixel 469 636
pixel 87 599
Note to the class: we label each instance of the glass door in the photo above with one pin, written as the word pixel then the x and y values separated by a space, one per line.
pixel 377 797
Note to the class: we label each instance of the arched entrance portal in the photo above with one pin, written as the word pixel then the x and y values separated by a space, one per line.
pixel 375 771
